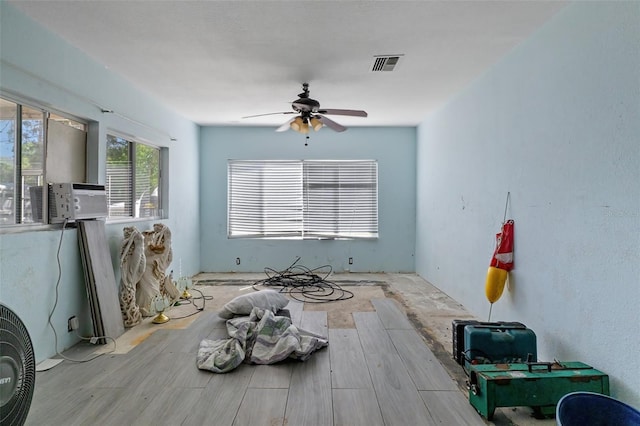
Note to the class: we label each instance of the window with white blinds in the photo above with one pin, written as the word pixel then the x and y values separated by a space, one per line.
pixel 133 179
pixel 302 199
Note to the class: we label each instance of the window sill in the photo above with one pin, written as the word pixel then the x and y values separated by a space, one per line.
pixel 118 220
pixel 21 228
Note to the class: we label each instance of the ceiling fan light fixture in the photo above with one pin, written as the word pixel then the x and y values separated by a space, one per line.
pixel 296 124
pixel 316 123
pixel 310 116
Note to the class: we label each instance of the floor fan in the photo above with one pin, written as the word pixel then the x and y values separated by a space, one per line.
pixel 17 369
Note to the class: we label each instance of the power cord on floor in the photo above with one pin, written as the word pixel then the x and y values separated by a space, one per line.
pixel 55 304
pixel 192 300
pixel 93 340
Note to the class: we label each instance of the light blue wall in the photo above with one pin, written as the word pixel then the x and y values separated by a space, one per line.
pixel 394 148
pixel 37 65
pixel 556 123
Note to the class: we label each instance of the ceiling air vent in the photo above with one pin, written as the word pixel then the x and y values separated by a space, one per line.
pixel 385 63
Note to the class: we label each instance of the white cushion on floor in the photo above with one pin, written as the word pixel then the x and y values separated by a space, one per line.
pixel 264 299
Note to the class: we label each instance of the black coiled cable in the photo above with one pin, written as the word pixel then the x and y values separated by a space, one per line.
pixel 304 284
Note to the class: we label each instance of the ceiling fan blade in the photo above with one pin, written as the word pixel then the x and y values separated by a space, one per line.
pixel 270 113
pixel 331 124
pixel 285 126
pixel 351 112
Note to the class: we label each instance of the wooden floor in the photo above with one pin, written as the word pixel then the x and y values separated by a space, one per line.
pixel 378 373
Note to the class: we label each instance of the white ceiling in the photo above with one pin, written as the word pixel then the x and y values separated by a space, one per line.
pixel 217 61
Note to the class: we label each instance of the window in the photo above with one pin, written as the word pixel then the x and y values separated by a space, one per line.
pixel 25 142
pixel 21 160
pixel 133 178
pixel 302 199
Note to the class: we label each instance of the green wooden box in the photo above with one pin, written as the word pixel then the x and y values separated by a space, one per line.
pixel 538 385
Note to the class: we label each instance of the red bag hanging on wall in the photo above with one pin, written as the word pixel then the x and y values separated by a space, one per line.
pixel 503 254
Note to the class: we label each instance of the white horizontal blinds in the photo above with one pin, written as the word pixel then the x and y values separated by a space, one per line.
pixel 143 192
pixel 119 181
pixel 119 177
pixel 264 199
pixel 341 199
pixel 146 180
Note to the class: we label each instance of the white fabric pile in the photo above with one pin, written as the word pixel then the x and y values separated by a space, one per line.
pixel 259 338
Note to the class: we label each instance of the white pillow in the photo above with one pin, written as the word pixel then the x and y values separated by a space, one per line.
pixel 264 299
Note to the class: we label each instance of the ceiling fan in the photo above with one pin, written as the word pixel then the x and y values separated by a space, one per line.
pixel 311 116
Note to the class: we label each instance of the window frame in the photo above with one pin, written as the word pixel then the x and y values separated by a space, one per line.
pixel 289 197
pixel 19 222
pixel 133 205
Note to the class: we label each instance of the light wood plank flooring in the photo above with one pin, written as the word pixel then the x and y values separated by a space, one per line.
pixel 378 373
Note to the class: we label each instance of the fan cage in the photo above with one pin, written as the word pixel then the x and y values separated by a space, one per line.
pixel 16 349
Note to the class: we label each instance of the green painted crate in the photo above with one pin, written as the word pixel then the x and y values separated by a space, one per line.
pixel 537 385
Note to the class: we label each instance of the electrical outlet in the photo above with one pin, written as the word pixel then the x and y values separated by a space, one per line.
pixel 237 260
pixel 73 324
pixel 351 261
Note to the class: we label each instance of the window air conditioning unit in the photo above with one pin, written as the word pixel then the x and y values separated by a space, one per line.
pixel 76 201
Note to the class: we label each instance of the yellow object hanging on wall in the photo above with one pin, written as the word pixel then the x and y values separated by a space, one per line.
pixel 494 286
